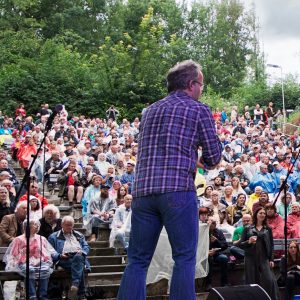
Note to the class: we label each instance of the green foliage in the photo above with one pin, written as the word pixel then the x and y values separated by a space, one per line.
pixel 89 54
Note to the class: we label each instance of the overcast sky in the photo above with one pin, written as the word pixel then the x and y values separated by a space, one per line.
pixel 279 33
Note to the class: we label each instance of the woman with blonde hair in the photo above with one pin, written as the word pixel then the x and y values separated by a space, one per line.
pixel 4 202
pixel 237 188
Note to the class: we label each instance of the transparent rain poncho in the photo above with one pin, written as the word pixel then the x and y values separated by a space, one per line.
pixel 40 258
pixel 162 262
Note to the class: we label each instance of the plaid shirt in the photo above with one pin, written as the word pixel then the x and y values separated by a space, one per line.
pixel 170 132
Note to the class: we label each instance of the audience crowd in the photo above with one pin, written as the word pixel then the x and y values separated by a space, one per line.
pixel 91 161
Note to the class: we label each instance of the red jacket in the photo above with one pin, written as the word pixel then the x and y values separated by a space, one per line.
pixel 42 199
pixel 277 225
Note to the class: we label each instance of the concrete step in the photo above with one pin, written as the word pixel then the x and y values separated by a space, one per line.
pixel 101 251
pixel 110 291
pixel 104 278
pixel 99 244
pixel 108 268
pixel 107 260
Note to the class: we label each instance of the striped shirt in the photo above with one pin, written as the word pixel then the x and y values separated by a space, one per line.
pixel 171 131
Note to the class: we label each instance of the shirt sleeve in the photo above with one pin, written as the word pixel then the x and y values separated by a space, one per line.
pixel 209 141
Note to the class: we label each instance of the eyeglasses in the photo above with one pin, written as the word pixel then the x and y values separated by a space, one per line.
pixel 200 83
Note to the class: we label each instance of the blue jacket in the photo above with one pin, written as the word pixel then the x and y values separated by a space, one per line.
pixel 57 240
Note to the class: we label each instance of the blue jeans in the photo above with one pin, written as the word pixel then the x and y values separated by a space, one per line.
pixel 178 212
pixel 75 265
pixel 43 283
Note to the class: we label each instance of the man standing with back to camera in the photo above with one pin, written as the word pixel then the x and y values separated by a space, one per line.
pixel 164 192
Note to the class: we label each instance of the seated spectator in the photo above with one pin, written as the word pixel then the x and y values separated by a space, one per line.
pixel 11 225
pixel 110 176
pixel 287 163
pixel 227 154
pixel 5 208
pixel 228 198
pixel 263 179
pixel 236 211
pixel 251 168
pixel 26 151
pixel 203 214
pixel 206 196
pixel 277 173
pixel 293 274
pixel 33 191
pixel 227 173
pixel 122 192
pixel 5 130
pixel 295 178
pixel 236 186
pixel 113 192
pixel 280 205
pixel 11 193
pixel 73 250
pixel 100 211
pixel 41 254
pixel 218 184
pixel 275 222
pixel 90 193
pixel 35 208
pixel 102 164
pixel 217 209
pixel 293 221
pixel 121 225
pixel 50 222
pixel 235 250
pixel 244 180
pixel 54 165
pixel 69 183
pixel 253 198
pixel 120 168
pixel 217 244
pixel 262 201
pixel 91 162
pixel 4 166
pixel 128 177
pixel 87 177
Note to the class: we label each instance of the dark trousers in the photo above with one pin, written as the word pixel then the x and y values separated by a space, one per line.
pixel 222 261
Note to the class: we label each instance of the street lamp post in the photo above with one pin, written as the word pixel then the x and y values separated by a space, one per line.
pixel 282 90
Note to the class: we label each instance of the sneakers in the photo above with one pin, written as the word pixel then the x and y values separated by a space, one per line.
pixel 73 293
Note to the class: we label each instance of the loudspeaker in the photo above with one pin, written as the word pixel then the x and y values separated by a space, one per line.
pixel 239 292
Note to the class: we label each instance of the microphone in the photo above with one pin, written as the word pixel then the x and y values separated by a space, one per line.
pixel 57 110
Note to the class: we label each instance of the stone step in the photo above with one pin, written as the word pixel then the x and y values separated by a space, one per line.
pixel 99 244
pixel 104 278
pixel 110 291
pixel 107 260
pixel 108 268
pixel 101 251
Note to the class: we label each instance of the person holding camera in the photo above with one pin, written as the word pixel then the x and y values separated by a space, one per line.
pixel 73 250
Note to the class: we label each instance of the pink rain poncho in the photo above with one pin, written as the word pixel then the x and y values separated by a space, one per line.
pixel 40 261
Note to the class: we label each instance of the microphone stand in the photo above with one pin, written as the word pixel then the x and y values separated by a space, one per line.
pixel 284 187
pixel 27 179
